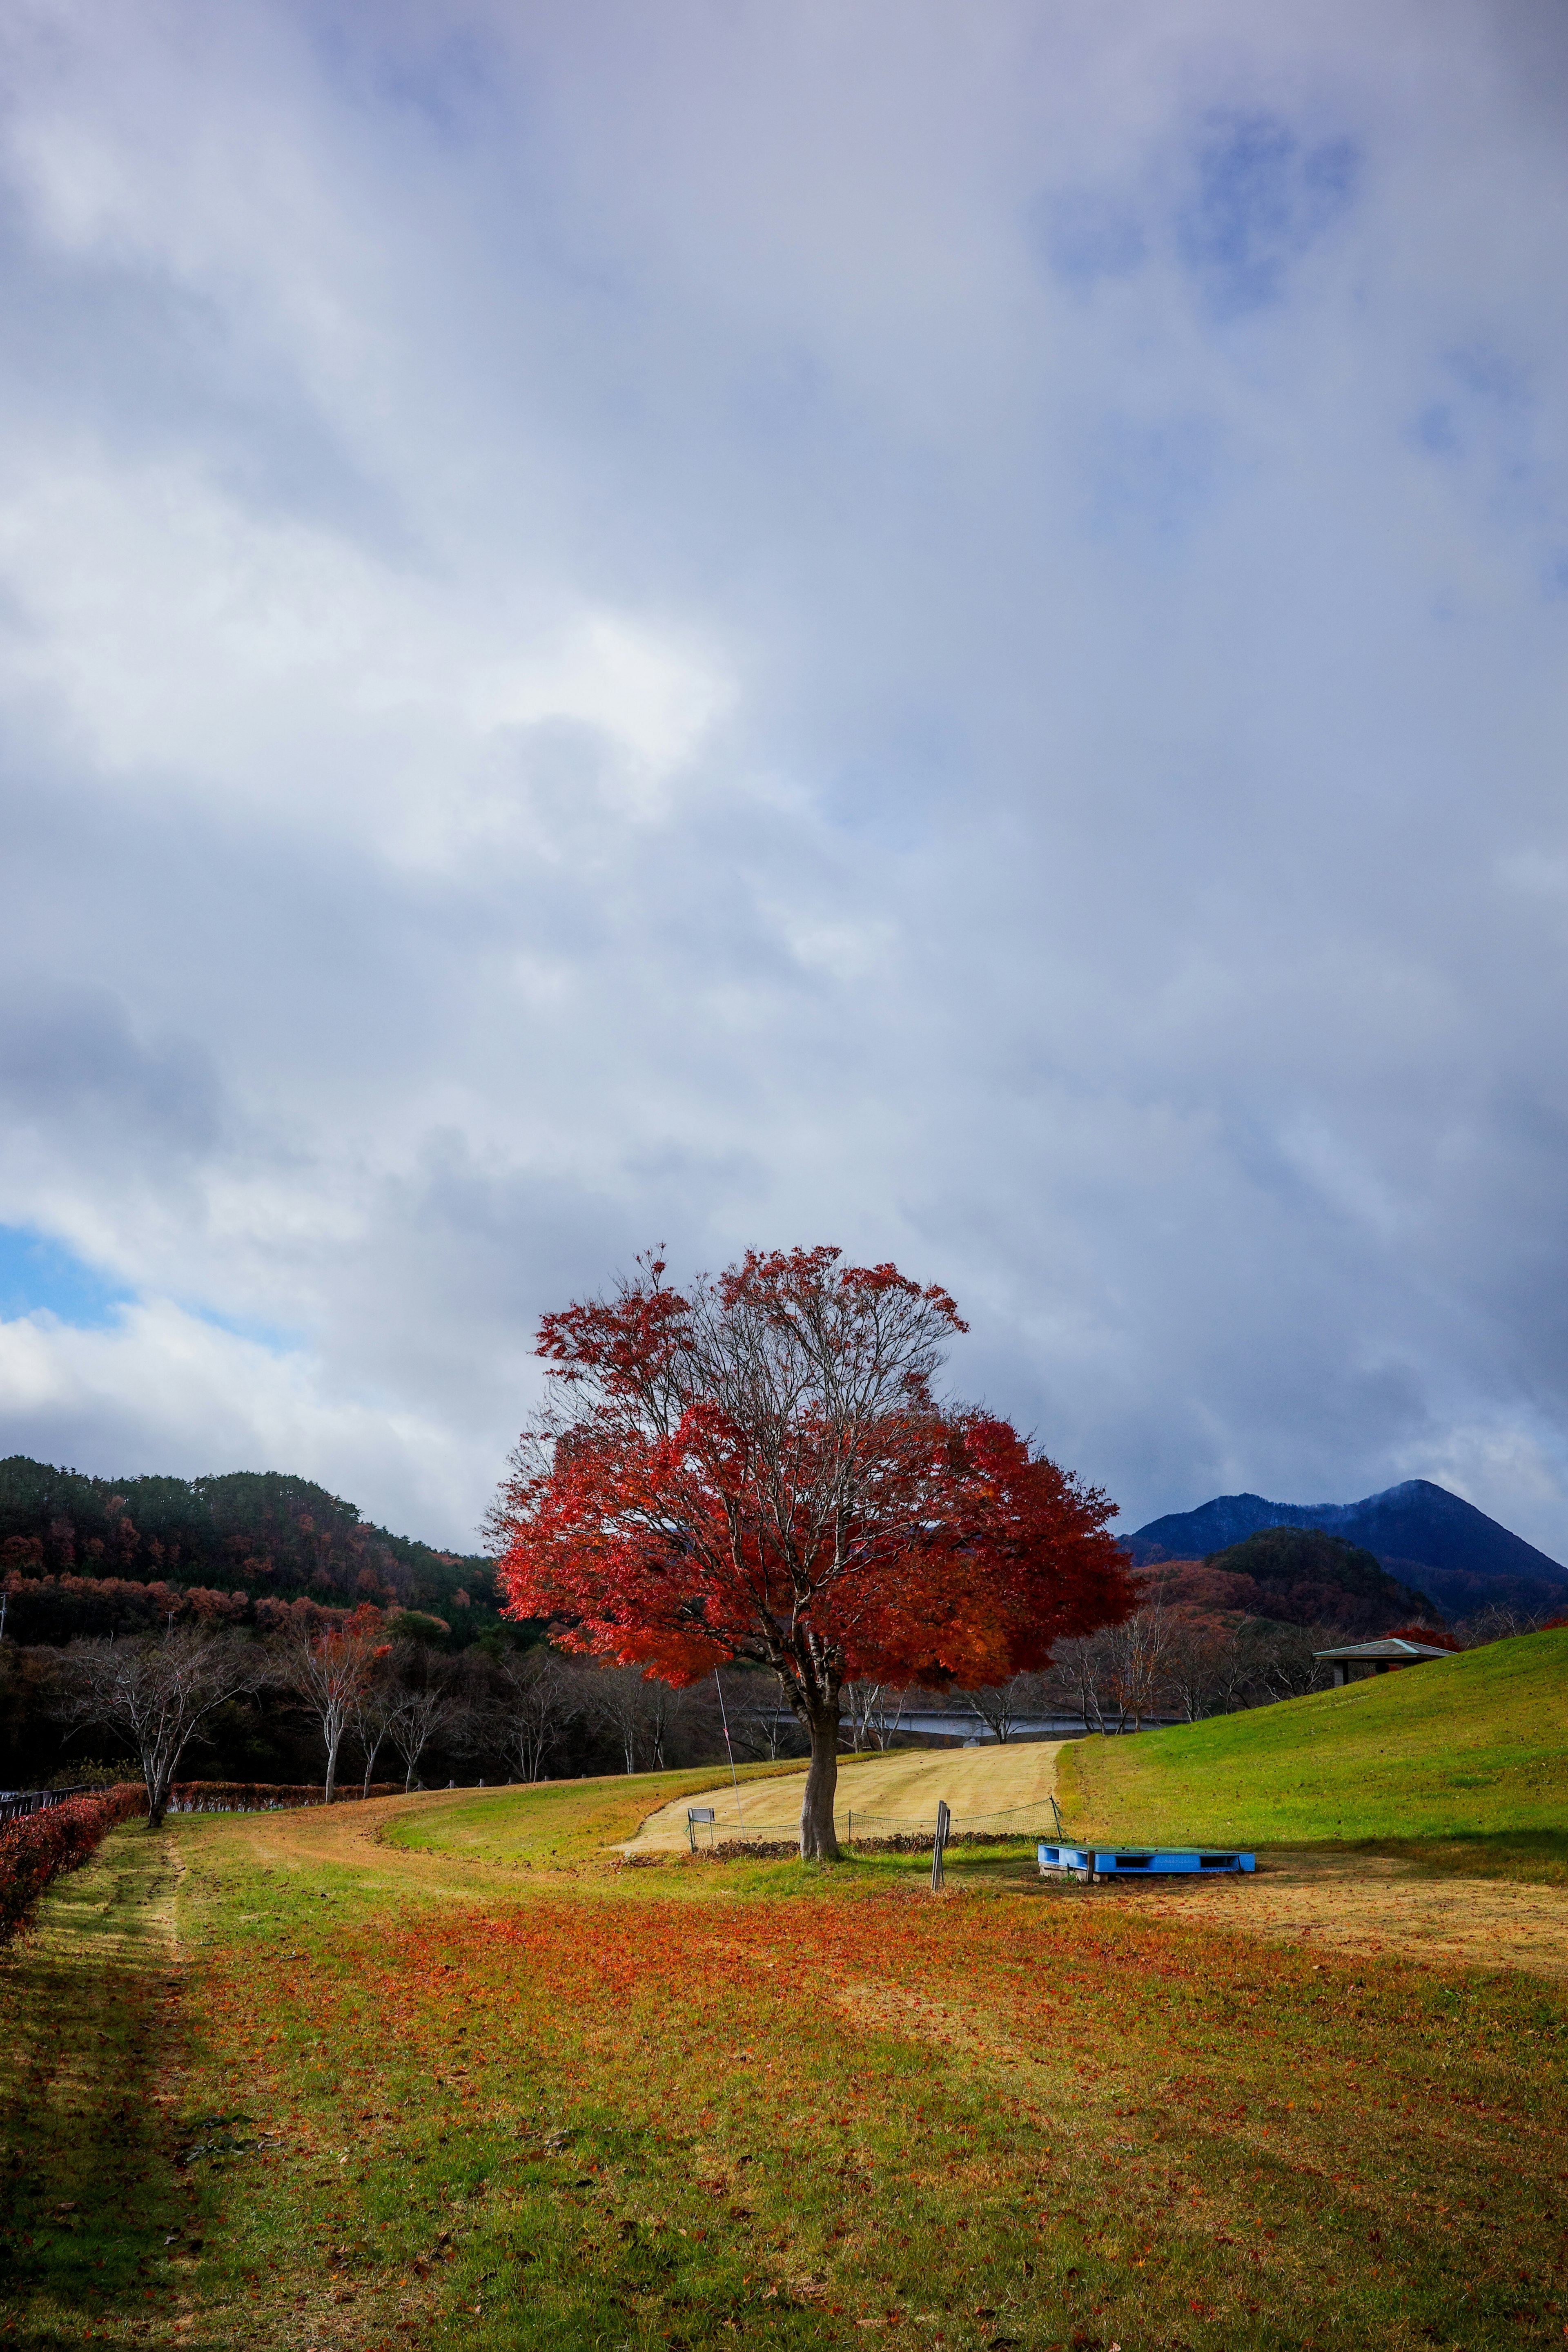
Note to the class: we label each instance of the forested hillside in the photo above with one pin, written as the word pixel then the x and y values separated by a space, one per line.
pixel 1294 1576
pixel 241 1537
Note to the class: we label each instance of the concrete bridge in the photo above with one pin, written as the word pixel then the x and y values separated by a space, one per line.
pixel 959 1723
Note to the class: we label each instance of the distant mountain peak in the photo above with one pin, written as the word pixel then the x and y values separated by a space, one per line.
pixel 1466 1559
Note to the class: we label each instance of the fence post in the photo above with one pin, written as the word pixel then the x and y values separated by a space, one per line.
pixel 943 1818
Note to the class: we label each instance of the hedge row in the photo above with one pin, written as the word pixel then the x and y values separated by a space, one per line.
pixel 264 1797
pixel 39 1846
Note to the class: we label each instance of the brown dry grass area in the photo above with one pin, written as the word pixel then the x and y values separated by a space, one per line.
pixel 1376 1904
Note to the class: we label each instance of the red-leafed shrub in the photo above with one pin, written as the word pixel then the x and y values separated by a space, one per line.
pixel 37 1848
pixel 261 1796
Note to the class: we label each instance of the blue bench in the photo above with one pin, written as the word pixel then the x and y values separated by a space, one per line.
pixel 1089 1862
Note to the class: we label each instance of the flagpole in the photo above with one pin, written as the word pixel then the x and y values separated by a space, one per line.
pixel 723 1719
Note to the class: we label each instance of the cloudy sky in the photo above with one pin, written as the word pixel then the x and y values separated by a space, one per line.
pixel 937 628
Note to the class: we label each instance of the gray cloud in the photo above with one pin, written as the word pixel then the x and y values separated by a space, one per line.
pixel 790 627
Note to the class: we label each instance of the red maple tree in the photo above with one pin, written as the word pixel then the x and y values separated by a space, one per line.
pixel 756 1470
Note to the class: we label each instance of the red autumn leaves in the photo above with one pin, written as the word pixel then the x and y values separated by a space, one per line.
pixel 758 1470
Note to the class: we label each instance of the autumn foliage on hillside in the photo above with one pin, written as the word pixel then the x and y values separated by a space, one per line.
pixel 263 1534
pixel 759 1471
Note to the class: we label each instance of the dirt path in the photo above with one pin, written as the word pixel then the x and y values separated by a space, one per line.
pixel 319 1839
pixel 982 1785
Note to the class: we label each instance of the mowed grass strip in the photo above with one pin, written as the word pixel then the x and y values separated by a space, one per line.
pixel 878 1794
pixel 1470 1752
pixel 699 2105
pixel 100 2231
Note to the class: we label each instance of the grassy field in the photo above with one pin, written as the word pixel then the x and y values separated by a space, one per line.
pixel 1467 1755
pixel 442 2072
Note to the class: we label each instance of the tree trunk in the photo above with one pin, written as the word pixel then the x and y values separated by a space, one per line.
pixel 819 1842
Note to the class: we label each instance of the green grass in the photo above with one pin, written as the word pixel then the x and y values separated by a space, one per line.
pixel 559 1824
pixel 474 2084
pixel 1467 1755
pixel 96 2222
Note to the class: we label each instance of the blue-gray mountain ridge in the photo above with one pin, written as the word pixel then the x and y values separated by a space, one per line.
pixel 1421 1533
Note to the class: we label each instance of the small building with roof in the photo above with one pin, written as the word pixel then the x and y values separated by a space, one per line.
pixel 1357 1660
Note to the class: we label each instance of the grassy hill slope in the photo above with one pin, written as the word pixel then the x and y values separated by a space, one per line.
pixel 1471 1747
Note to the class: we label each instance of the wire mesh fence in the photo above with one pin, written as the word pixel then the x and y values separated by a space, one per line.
pixel 895 1831
pixel 864 1830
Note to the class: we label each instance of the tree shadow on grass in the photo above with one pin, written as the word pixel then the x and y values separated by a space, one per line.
pixel 1536 1857
pixel 96 2222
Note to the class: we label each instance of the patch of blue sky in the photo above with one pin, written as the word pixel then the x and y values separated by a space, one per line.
pixel 274 1336
pixel 1487 425
pixel 1261 197
pixel 447 75
pixel 1438 431
pixel 41 1276
pixel 1086 236
pixel 1490 375
pixel 1156 479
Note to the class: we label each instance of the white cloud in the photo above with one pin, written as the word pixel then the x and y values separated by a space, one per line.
pixel 800 627
pixel 194 649
pixel 160 1384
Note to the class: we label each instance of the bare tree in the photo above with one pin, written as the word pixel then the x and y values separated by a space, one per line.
pixel 855 1699
pixel 874 1711
pixel 764 1729
pixel 664 1706
pixel 1498 1621
pixel 1202 1663
pixel 331 1672
pixel 1116 1679
pixel 1001 1707
pixel 1282 1658
pixel 1139 1652
pixel 617 1703
pixel 156 1694
pixel 371 1715
pixel 421 1712
pixel 538 1696
pixel 1070 1677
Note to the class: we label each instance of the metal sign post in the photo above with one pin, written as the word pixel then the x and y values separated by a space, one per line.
pixel 944 1822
